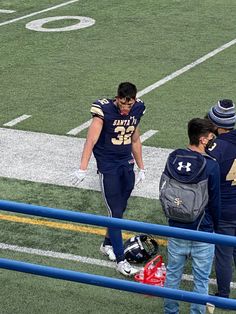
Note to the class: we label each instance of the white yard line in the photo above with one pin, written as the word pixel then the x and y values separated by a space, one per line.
pixel 186 68
pixel 171 76
pixel 80 259
pixel 17 120
pixel 7 11
pixel 38 12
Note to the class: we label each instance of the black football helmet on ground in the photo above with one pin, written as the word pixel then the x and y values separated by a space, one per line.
pixel 140 248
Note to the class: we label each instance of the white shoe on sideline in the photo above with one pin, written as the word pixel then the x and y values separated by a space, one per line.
pixel 107 250
pixel 126 269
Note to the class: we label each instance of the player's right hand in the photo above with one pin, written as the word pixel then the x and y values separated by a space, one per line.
pixel 78 176
pixel 140 176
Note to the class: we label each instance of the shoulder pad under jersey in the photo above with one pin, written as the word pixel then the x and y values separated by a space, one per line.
pixel 97 107
pixel 141 106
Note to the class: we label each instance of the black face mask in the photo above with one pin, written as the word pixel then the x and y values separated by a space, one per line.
pixel 210 142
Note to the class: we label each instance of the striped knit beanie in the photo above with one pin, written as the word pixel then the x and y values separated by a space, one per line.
pixel 223 114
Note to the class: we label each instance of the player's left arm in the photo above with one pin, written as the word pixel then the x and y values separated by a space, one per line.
pixel 137 149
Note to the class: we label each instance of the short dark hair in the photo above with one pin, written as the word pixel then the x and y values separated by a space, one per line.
pixel 197 128
pixel 127 90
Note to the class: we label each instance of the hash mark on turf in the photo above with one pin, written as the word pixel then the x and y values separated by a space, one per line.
pixel 147 135
pixel 17 120
pixel 80 128
pixel 7 11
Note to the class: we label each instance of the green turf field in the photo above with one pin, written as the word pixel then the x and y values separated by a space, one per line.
pixel 53 77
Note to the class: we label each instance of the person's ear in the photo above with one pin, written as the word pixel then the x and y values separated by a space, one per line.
pixel 203 140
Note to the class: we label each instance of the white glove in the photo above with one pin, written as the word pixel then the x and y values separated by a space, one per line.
pixel 78 176
pixel 140 176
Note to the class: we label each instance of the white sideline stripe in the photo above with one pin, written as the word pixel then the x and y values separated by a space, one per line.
pixel 38 12
pixel 81 259
pixel 17 120
pixel 69 257
pixel 211 280
pixel 147 134
pixel 186 68
pixel 176 73
pixel 6 11
pixel 80 128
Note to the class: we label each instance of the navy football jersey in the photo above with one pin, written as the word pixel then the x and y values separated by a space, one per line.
pixel 224 151
pixel 113 147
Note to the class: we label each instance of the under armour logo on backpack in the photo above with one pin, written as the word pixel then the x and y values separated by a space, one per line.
pixel 187 167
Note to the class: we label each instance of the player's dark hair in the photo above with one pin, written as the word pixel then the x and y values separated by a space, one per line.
pixel 197 128
pixel 127 90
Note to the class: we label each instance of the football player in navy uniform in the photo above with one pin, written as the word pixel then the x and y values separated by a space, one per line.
pixel 114 139
pixel 224 151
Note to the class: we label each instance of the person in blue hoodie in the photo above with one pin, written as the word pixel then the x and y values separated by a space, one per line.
pixel 224 151
pixel 201 134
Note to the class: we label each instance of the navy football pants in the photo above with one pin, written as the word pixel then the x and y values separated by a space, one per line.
pixel 224 256
pixel 116 190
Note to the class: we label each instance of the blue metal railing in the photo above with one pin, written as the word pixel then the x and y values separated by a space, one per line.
pixel 121 224
pixel 125 224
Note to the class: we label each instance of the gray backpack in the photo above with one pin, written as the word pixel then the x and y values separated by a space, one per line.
pixel 184 186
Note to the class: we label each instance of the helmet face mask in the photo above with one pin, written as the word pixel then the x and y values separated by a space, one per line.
pixel 140 248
